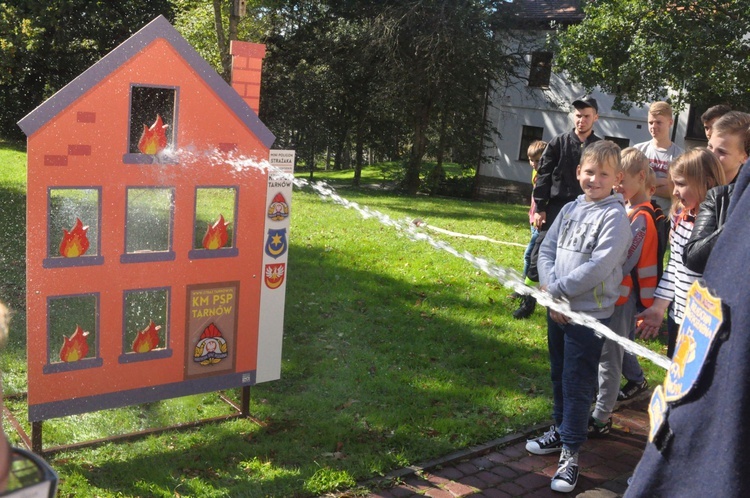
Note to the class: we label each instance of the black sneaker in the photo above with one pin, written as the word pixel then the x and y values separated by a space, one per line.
pixel 528 304
pixel 515 295
pixel 599 429
pixel 566 477
pixel 547 443
pixel 632 389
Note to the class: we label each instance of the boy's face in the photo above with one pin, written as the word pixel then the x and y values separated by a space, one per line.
pixel 707 127
pixel 730 149
pixel 630 185
pixel 534 162
pixel 597 181
pixel 658 126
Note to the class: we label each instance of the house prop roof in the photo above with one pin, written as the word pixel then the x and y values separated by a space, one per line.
pixel 158 28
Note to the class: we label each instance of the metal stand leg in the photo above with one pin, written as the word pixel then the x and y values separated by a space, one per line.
pixel 36 437
pixel 245 406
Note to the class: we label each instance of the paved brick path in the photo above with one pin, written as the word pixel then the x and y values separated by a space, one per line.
pixel 504 468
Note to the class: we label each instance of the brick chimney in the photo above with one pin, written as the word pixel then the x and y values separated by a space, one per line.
pixel 247 60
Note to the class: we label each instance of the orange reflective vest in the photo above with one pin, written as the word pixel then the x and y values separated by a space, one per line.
pixel 646 269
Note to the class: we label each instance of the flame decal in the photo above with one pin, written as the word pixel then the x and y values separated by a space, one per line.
pixel 217 235
pixel 74 243
pixel 76 347
pixel 154 139
pixel 147 339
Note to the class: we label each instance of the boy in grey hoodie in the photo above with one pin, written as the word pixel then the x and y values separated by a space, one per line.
pixel 581 261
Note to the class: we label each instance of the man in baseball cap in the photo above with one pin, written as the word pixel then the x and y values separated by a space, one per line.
pixel 586 101
pixel 556 182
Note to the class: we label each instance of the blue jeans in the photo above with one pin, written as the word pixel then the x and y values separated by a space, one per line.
pixel 529 248
pixel 574 352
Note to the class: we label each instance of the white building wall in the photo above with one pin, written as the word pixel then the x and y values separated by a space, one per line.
pixel 519 105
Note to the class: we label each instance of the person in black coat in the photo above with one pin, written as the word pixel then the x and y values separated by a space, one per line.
pixel 699 443
pixel 730 142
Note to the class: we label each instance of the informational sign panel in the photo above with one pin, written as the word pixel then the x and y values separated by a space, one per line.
pixel 275 264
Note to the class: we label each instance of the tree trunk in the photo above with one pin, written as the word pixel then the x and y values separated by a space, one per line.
pixel 310 160
pixel 419 145
pixel 226 58
pixel 482 126
pixel 437 173
pixel 338 156
pixel 360 155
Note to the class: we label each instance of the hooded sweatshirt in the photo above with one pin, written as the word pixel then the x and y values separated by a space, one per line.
pixel 582 255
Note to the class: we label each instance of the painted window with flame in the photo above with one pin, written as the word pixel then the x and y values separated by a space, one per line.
pixel 73 227
pixel 215 209
pixel 145 325
pixel 72 332
pixel 152 119
pixel 149 223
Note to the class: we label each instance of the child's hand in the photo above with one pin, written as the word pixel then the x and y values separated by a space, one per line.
pixel 558 317
pixel 648 322
pixel 540 219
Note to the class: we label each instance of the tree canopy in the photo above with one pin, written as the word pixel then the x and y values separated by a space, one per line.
pixel 644 50
pixel 45 45
pixel 400 79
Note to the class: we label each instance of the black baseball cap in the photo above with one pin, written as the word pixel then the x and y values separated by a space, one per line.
pixel 586 101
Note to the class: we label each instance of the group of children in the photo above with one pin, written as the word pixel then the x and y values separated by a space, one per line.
pixel 603 255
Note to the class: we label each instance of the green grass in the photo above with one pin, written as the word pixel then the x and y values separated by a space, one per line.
pixel 394 353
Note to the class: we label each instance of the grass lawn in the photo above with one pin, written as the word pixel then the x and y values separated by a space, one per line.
pixel 394 353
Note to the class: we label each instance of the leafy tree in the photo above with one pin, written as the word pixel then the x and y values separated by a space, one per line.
pixel 645 50
pixel 298 99
pixel 210 27
pixel 439 55
pixel 45 45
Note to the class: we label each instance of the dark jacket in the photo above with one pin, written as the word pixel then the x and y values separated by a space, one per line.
pixel 708 226
pixel 556 182
pixel 707 436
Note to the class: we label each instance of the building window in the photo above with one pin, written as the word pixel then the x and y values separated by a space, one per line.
pixel 148 225
pixel 152 124
pixel 73 227
pixel 621 142
pixel 529 135
pixel 145 325
pixel 213 226
pixel 540 70
pixel 72 333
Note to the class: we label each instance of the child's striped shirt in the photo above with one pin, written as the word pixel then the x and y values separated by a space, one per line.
pixel 677 278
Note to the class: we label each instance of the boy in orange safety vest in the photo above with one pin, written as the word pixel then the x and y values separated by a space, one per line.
pixel 637 187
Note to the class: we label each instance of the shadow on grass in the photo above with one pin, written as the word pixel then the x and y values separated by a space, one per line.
pixel 13 286
pixel 510 215
pixel 377 373
pixel 13 247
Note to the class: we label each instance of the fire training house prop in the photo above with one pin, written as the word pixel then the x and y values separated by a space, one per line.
pixel 156 257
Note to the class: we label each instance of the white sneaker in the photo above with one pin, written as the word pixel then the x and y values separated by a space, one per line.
pixel 566 477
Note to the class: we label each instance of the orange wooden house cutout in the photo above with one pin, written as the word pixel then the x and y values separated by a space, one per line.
pixel 156 254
